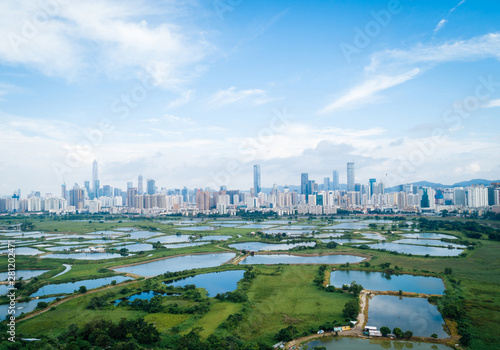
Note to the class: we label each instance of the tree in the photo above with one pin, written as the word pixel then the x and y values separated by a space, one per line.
pixel 355 289
pixel 287 334
pixel 448 271
pixel 398 332
pixel 351 310
pixel 385 330
pixel 331 245
pixel 82 289
pixel 408 334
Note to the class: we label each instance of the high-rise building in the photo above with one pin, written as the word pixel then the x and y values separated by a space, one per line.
pixel 95 179
pixel 326 184
pixel 304 183
pixel 350 176
pixel 372 183
pixel 140 189
pixel 335 181
pixel 131 197
pixel 63 191
pixel 203 200
pixel 76 197
pixel 130 184
pixel 151 186
pixel 256 179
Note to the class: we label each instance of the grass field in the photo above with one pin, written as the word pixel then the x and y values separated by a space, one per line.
pixel 285 295
pixel 217 314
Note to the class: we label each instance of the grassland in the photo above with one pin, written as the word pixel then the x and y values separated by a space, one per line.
pixel 279 295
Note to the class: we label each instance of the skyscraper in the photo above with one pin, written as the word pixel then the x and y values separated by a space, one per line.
pixel 95 179
pixel 304 183
pixel 151 186
pixel 140 189
pixel 256 179
pixel 350 176
pixel 372 186
pixel 326 184
pixel 335 181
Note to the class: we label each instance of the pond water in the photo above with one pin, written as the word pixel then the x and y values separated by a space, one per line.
pixel 381 222
pixel 344 343
pixel 328 235
pixel 416 250
pixel 179 263
pixel 4 289
pixel 61 248
pixel 216 224
pixel 170 239
pixel 261 226
pixel 413 314
pixel 23 251
pixel 125 229
pixel 184 245
pixel 137 247
pixel 82 256
pixel 143 296
pixel 297 259
pixel 214 282
pixel 22 307
pixel 229 222
pixel 434 242
pixel 350 226
pixel 142 234
pixel 343 241
pixel 428 235
pixel 214 238
pixel 288 232
pixel 258 246
pixel 378 281
pixel 280 222
pixel 373 236
pixel 296 227
pixel 25 274
pixel 197 228
pixel 67 288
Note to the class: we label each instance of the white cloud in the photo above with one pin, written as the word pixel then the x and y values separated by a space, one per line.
pixel 232 95
pixel 182 100
pixel 365 91
pixel 113 36
pixel 492 103
pixel 173 118
pixel 440 25
pixel 462 50
pixel 458 5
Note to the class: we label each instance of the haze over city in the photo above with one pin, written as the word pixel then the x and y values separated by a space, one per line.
pixel 194 93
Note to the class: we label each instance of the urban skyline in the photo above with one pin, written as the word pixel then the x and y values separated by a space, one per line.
pixel 190 95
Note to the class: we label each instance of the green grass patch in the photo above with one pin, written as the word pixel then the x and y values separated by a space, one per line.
pixel 217 314
pixel 163 322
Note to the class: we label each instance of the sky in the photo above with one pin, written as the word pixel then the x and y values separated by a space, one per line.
pixel 194 93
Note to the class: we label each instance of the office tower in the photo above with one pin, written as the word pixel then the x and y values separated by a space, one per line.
pixel 203 200
pixel 95 179
pixel 131 193
pixel 86 185
pixel 304 183
pixel 350 176
pixel 372 186
pixel 63 191
pixel 335 181
pixel 140 189
pixel 256 179
pixel 326 184
pixel 130 184
pixel 76 197
pixel 151 186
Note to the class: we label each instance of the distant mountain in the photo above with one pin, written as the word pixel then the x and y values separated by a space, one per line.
pixel 439 185
pixel 474 182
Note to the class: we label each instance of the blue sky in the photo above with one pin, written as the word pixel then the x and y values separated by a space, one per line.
pixel 195 92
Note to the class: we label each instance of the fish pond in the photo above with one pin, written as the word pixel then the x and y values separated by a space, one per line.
pixel 409 314
pixel 258 246
pixel 180 263
pixel 416 249
pixel 68 288
pixel 24 274
pixel 82 256
pixel 270 259
pixel 214 282
pixel 345 343
pixel 22 307
pixel 378 281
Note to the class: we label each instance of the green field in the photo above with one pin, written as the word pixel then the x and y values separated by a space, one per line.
pixel 279 296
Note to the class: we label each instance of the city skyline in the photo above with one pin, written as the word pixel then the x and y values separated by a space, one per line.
pixel 190 94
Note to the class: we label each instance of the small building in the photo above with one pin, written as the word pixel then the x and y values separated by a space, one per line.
pixel 346 328
pixel 337 329
pixel 374 333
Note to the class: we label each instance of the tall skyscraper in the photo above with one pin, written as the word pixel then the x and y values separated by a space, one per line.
pixel 350 176
pixel 372 186
pixel 140 189
pixel 326 184
pixel 95 179
pixel 151 186
pixel 64 193
pixel 256 179
pixel 335 181
pixel 304 183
